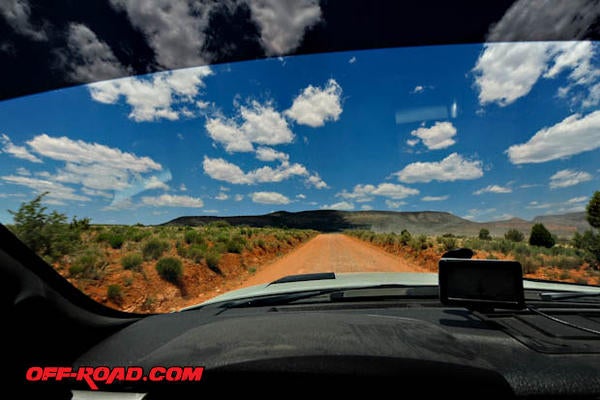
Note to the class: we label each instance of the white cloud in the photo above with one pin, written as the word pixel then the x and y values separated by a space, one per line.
pixel 80 152
pixel 342 205
pixel 23 171
pixel 537 205
pixel 260 124
pixel 418 89
pixel 435 198
pixel 412 142
pixel 182 187
pixel 315 106
pixel 394 204
pixel 17 14
pixel 505 72
pixel 527 20
pixel 568 177
pixel 154 97
pixel 238 197
pixel 438 136
pixel 154 182
pixel 363 193
pixel 174 30
pixel 366 207
pixel 167 200
pixel 56 191
pixel 301 196
pixel 90 59
pixel 452 168
pixel 315 181
pixel 493 189
pixel 269 198
pixel 574 200
pixel 220 169
pixel 269 154
pixel 222 196
pixel 282 23
pixel 17 151
pixel 573 135
pixel 352 60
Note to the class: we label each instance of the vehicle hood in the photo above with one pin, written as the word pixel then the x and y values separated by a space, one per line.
pixel 366 279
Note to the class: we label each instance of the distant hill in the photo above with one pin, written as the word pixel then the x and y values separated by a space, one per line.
pixel 426 222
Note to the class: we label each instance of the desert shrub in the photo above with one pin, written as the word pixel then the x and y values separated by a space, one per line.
pixel 484 234
pixel 567 262
pixel 196 252
pixel 154 248
pixel 191 237
pixel 522 249
pixel 405 237
pixel 114 293
pixel 236 244
pixel 170 269
pixel 448 243
pixel 419 243
pixel 132 261
pixel 540 236
pixel 89 263
pixel 514 235
pixel 212 260
pixel 528 264
pixel 115 240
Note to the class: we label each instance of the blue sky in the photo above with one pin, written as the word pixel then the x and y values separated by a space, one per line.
pixel 485 132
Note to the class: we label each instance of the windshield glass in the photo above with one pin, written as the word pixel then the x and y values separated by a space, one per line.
pixel 156 192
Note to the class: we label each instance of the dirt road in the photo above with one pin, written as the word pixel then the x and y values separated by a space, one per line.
pixel 332 253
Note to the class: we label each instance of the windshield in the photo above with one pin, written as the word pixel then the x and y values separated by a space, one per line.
pixel 156 192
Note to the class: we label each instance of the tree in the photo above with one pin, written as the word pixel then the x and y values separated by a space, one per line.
pixel 47 234
pixel 484 234
pixel 593 210
pixel 540 236
pixel 514 235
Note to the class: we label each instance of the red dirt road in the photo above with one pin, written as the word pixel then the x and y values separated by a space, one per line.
pixel 332 253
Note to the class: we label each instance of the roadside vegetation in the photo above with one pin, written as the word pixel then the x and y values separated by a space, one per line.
pixel 132 267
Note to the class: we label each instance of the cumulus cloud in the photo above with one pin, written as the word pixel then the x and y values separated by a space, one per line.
pixel 315 181
pixel 438 136
pixel 282 23
pixel 90 59
pixel 21 152
pixel 363 193
pixel 493 189
pixel 256 124
pixel 394 204
pixel 167 200
pixel 568 177
pixel 315 106
pixel 17 14
pixel 174 30
pixel 222 196
pixel 56 191
pixel 220 169
pixel 163 95
pixel 418 89
pixel 573 135
pixel 435 198
pixel 342 205
pixel 506 72
pixel 269 198
pixel 452 168
pixel 269 154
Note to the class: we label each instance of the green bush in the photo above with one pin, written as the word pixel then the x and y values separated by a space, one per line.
pixel 132 261
pixel 89 264
pixel 540 236
pixel 196 252
pixel 154 248
pixel 484 234
pixel 115 240
pixel 192 237
pixel 236 244
pixel 514 235
pixel 448 243
pixel 170 269
pixel 212 261
pixel 114 293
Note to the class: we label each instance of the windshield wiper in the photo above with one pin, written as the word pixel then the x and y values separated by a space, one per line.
pixel 569 295
pixel 336 294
